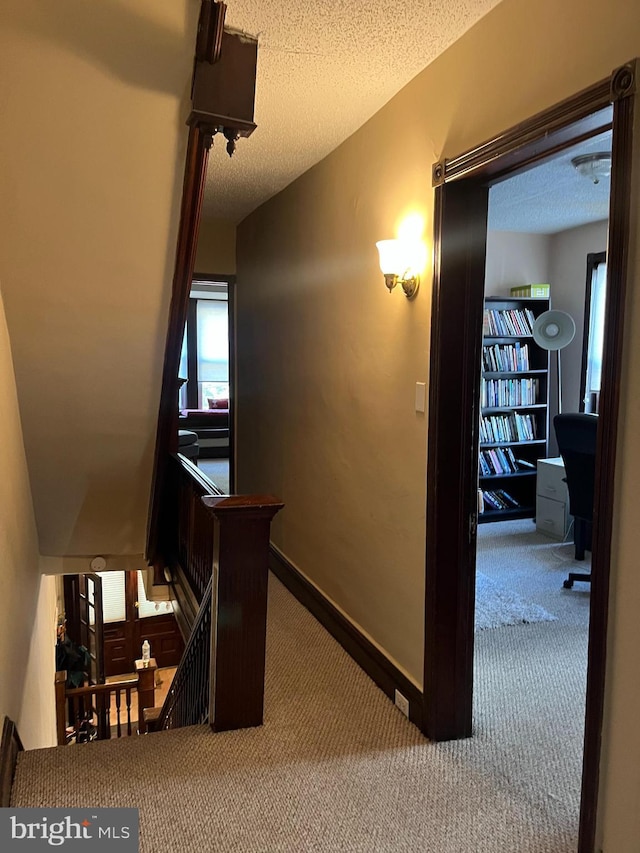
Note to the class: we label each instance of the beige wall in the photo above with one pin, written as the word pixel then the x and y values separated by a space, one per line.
pixel 514 259
pixel 328 359
pixel 94 99
pixel 216 253
pixel 568 273
pixel 23 633
pixel 37 720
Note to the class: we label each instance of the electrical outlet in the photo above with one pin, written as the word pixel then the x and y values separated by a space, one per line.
pixel 402 702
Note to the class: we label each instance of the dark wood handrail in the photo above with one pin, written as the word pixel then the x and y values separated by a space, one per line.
pixel 219 545
pixel 10 746
pixel 191 546
pixel 110 687
pixel 79 706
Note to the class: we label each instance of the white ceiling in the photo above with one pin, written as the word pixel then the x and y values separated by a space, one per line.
pixel 324 68
pixel 553 196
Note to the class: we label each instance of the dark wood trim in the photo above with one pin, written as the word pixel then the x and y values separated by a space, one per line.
pixel 231 296
pixel 452 418
pixel 200 139
pixel 9 749
pixel 378 667
pixel 239 608
pixel 618 273
pixel 594 259
pixel 192 354
pixel 538 137
pixel 452 506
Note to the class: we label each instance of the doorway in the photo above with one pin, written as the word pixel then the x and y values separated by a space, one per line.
pixel 206 376
pixel 120 618
pixel 461 204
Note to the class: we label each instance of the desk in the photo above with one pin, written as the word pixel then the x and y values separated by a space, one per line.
pixel 552 499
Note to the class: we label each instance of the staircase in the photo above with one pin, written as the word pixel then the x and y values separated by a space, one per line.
pixel 214 551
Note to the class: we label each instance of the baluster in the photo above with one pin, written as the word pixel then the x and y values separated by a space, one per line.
pixel 128 697
pixel 75 712
pixel 61 707
pixel 118 696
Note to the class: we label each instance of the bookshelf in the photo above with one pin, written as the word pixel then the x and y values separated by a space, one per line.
pixel 514 423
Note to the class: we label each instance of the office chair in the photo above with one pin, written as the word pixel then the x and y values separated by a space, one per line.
pixel 576 435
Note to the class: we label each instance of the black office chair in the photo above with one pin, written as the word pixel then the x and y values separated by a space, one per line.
pixel 576 434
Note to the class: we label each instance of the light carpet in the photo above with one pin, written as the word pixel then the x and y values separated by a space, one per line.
pixel 497 606
pixel 336 767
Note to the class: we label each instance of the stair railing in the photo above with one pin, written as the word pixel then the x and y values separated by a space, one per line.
pixel 219 545
pixel 103 711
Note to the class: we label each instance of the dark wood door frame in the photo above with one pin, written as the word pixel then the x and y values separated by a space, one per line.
pixel 456 339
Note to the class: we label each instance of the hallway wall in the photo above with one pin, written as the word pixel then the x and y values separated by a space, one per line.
pixel 216 251
pixel 328 360
pixel 21 686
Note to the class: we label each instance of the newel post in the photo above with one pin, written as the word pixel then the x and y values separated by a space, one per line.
pixel 239 608
pixel 61 710
pixel 146 690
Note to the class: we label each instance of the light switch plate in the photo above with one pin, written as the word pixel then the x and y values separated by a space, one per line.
pixel 421 396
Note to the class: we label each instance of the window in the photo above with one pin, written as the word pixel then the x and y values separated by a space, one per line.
pixel 595 302
pixel 212 324
pixel 114 599
pixel 204 359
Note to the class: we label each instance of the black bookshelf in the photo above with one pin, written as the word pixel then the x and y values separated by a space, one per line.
pixel 514 408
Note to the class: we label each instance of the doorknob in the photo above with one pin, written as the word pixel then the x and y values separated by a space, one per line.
pixel 137 604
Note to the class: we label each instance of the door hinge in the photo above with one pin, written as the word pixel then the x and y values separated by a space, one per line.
pixel 473 526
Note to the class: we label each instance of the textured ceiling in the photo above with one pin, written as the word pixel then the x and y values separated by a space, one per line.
pixel 323 70
pixel 551 197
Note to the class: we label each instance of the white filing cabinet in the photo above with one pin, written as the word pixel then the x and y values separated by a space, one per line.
pixel 552 499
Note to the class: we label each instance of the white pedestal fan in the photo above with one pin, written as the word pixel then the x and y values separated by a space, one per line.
pixel 553 331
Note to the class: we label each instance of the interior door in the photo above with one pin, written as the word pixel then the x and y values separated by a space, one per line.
pixel 91 624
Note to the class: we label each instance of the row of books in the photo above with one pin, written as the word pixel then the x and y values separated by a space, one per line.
pixel 512 427
pixel 501 460
pixel 501 358
pixel 490 499
pixel 508 322
pixel 509 392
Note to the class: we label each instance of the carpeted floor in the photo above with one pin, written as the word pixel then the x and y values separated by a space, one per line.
pixel 497 606
pixel 336 767
pixel 217 470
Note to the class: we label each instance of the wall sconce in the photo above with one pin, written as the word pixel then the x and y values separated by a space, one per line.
pixel 400 262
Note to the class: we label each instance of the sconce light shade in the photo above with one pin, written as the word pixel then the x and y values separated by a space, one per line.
pixel 390 257
pixel 401 261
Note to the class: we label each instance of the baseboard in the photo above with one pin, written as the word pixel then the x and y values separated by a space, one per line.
pixel 377 666
pixel 9 748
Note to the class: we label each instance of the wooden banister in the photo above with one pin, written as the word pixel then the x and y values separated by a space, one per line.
pixel 94 701
pixel 61 711
pixel 220 548
pixel 146 689
pixel 10 746
pixel 191 546
pixel 239 621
